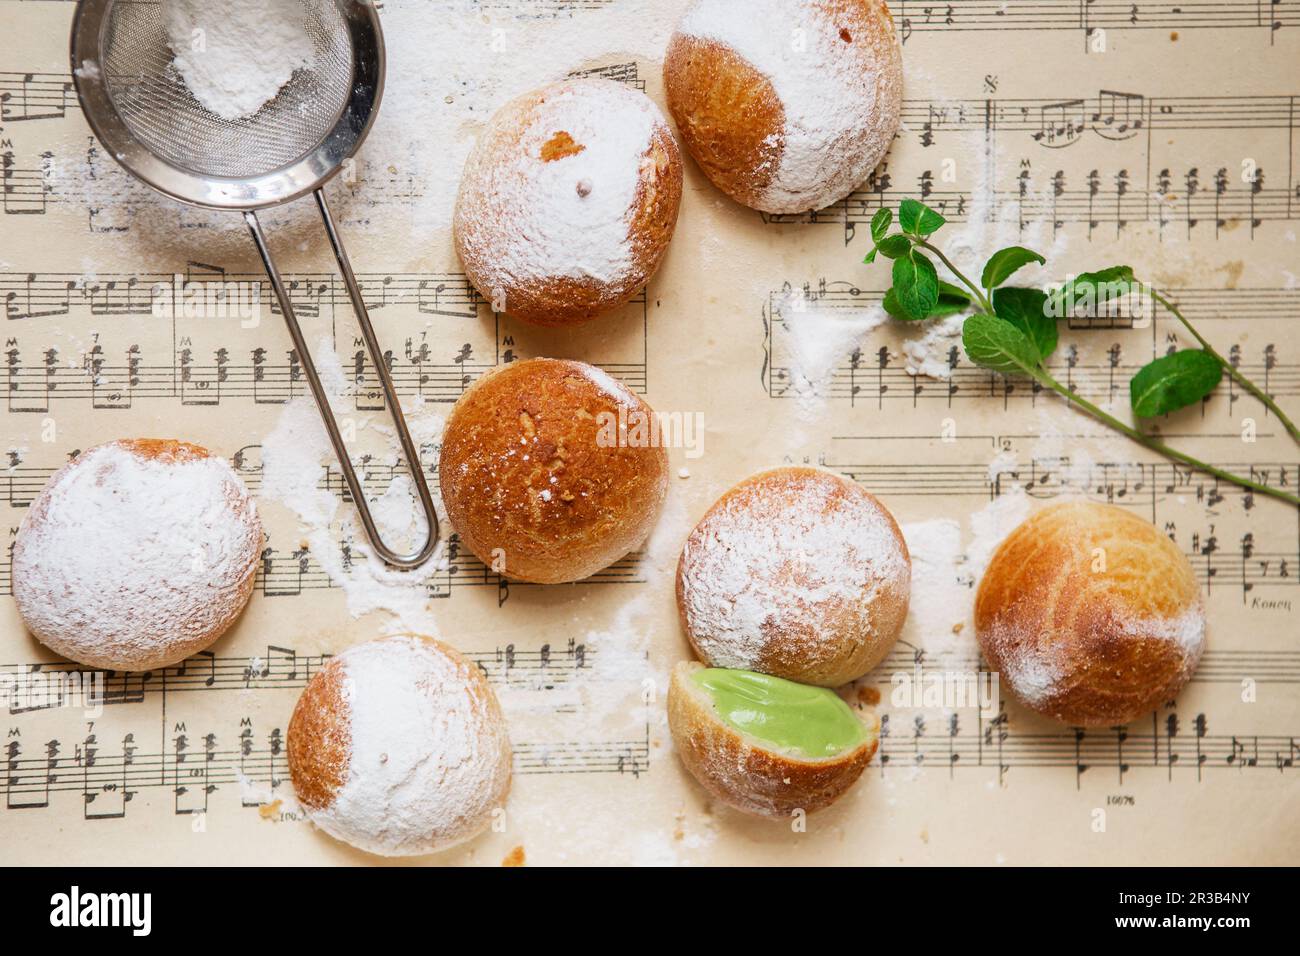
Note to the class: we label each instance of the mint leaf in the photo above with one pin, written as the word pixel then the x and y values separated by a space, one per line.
pixel 952 300
pixel 1173 382
pixel 1004 263
pixel 1082 294
pixel 998 345
pixel 955 292
pixel 1026 310
pixel 894 246
pixel 917 218
pixel 880 223
pixel 916 286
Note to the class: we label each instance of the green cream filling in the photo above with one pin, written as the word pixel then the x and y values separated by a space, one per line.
pixel 810 720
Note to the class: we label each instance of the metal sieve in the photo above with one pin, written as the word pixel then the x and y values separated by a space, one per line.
pixel 149 121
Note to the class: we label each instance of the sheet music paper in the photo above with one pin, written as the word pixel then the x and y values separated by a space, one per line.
pixel 1162 135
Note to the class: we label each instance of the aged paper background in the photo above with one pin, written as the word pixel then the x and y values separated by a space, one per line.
pixel 1114 132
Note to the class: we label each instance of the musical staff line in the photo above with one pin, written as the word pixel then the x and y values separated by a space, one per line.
pixel 991 743
pixel 542 668
pixel 196 767
pixel 1086 16
pixel 873 374
pixel 290 574
pixel 117 377
pixel 278 668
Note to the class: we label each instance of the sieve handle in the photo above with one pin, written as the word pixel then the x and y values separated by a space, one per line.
pixel 405 561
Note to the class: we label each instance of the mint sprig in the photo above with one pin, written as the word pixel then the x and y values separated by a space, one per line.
pixel 1014 329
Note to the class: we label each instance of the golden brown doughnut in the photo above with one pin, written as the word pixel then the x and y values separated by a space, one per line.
pixel 538 480
pixel 137 554
pixel 787 105
pixel 1090 615
pixel 795 572
pixel 568 201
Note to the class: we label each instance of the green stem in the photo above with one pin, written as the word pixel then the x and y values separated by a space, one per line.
pixel 1231 369
pixel 1160 447
pixel 938 253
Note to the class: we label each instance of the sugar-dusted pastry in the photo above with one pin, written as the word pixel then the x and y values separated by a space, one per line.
pixel 398 747
pixel 136 554
pixel 1090 615
pixel 795 572
pixel 787 105
pixel 765 745
pixel 541 481
pixel 568 201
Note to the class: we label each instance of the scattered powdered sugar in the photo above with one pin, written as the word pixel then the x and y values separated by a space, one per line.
pixel 235 55
pixel 295 457
pixel 832 92
pixel 991 524
pixel 759 565
pixel 1035 667
pixel 941 604
pixel 558 201
pixel 608 384
pixel 820 338
pixel 429 760
pixel 1005 462
pixel 1033 670
pixel 931 354
pixel 130 563
pixel 487 56
pixel 1187 630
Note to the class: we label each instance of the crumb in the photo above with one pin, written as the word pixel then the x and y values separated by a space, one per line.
pixel 958 627
pixel 269 810
pixel 683 473
pixel 925 835
pixel 514 858
pixel 1173 37
pixel 559 146
pixel 869 696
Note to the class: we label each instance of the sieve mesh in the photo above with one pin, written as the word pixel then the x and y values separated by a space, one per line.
pixel 160 111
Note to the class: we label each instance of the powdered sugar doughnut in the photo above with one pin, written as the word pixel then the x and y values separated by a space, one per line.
pixel 1090 615
pixel 787 105
pixel 797 573
pixel 398 747
pixel 568 201
pixel 137 554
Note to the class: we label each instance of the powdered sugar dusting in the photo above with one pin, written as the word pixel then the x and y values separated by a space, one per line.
pixel 235 55
pixel 991 524
pixel 841 104
pixel 934 353
pixel 130 563
pixel 430 758
pixel 608 384
pixel 1187 630
pixel 1036 669
pixel 295 457
pixel 755 568
pixel 1033 670
pixel 558 203
pixel 941 608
